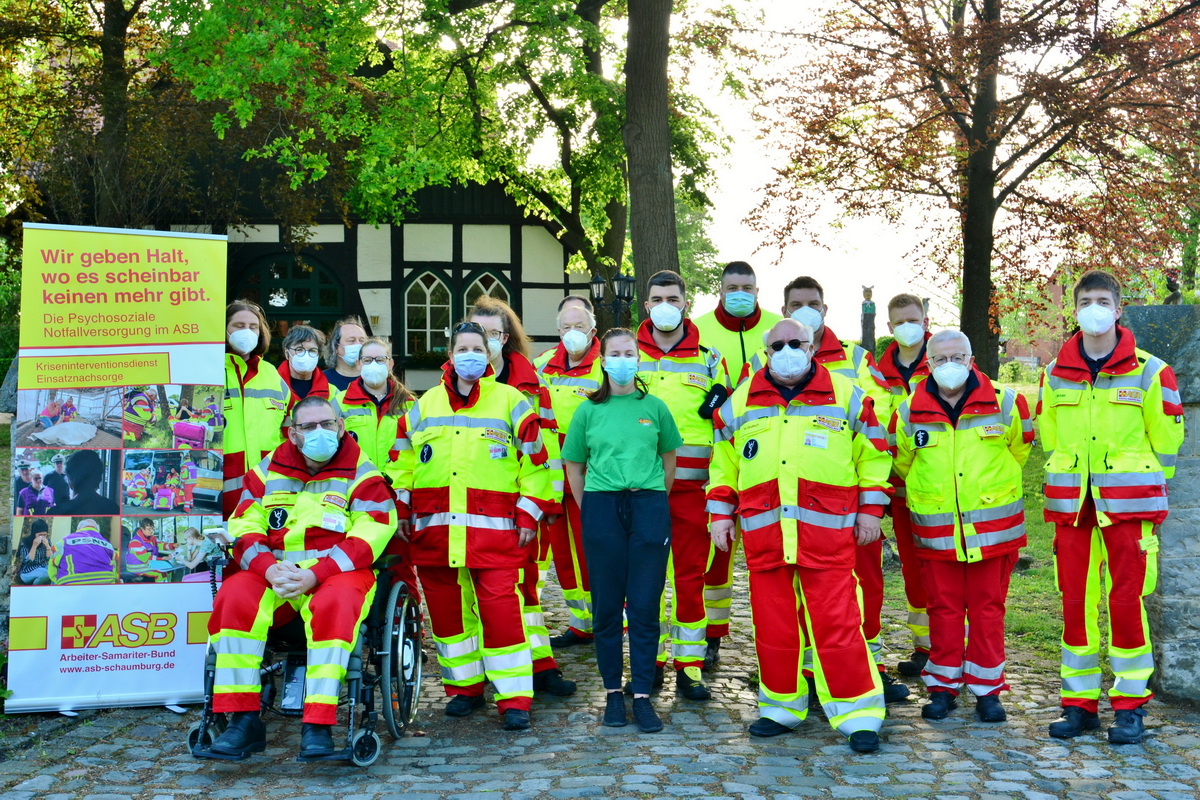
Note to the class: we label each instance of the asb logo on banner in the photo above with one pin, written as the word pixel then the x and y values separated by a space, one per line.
pixel 77 631
pixel 132 630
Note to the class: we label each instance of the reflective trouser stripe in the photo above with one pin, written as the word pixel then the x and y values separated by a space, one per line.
pixel 534 618
pixel 717 603
pixel 689 560
pixel 788 710
pixel 718 589
pixel 510 669
pixel 580 608
pixel 875 646
pixel 918 623
pixel 941 676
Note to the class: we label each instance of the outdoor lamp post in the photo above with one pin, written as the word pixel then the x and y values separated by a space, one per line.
pixel 622 295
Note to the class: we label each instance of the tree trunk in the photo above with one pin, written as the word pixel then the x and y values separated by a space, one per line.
pixel 647 137
pixel 1187 275
pixel 112 141
pixel 978 318
pixel 163 402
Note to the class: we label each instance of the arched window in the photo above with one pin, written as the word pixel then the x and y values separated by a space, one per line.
pixel 427 315
pixel 488 284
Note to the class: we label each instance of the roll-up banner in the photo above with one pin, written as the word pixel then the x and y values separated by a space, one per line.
pixel 117 466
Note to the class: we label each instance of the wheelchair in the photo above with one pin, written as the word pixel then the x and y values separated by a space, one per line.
pixel 386 656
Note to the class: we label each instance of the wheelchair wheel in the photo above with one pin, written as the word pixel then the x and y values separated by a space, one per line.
pixel 365 749
pixel 203 737
pixel 400 666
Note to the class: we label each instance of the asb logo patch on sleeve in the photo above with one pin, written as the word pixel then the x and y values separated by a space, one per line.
pixel 277 518
pixel 1131 397
pixel 750 450
pixel 334 500
pixel 426 454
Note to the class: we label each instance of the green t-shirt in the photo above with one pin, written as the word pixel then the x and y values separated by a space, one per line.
pixel 621 440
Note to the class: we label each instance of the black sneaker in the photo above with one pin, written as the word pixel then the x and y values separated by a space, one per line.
pixel 660 677
pixel 569 638
pixel 765 728
pixel 939 706
pixel 316 741
pixel 689 684
pixel 614 710
pixel 989 709
pixel 516 719
pixel 245 734
pixel 645 716
pixel 864 741
pixel 712 653
pixel 462 705
pixel 1074 721
pixel 552 682
pixel 893 690
pixel 814 702
pixel 914 665
pixel 1129 726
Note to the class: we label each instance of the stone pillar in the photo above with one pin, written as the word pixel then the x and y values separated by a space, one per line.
pixel 1173 334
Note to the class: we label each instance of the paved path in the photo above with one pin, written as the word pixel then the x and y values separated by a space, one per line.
pixel 704 751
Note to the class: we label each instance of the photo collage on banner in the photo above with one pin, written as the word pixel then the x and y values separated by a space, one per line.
pixel 117 466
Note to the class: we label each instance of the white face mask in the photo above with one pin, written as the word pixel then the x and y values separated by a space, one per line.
pixel 666 317
pixel 575 342
pixel 807 315
pixel 375 374
pixel 1096 320
pixel 351 356
pixel 951 376
pixel 243 340
pixel 909 334
pixel 304 362
pixel 790 363
pixel 494 349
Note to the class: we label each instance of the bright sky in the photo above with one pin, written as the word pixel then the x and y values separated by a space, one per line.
pixel 858 253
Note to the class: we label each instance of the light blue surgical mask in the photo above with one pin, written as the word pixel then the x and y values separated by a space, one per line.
pixel 739 304
pixel 470 366
pixel 320 445
pixel 622 369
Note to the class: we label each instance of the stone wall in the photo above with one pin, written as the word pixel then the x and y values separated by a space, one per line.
pixel 1173 333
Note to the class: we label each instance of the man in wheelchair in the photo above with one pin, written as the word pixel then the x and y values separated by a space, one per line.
pixel 313 517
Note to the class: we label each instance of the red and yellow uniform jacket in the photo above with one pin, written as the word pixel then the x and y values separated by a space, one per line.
pixel 321 387
pixel 375 433
pixel 472 472
pixel 738 339
pixel 795 475
pixel 1116 437
pixel 846 359
pixel 335 521
pixel 569 386
pixel 682 379
pixel 964 480
pixel 256 403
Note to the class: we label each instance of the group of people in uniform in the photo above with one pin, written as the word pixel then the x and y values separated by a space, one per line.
pixel 642 459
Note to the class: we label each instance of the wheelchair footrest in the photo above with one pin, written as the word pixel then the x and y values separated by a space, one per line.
pixel 340 755
pixel 204 752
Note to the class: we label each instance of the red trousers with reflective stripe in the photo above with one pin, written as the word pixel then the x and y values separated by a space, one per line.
pixel 910 563
pixel 690 548
pixel 497 613
pixel 832 602
pixel 530 576
pixel 962 594
pixel 566 549
pixel 868 568
pixel 719 579
pixel 1126 581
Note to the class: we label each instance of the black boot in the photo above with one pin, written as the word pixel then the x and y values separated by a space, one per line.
pixel 712 653
pixel 765 728
pixel 659 678
pixel 1074 721
pixel 462 705
pixel 1129 726
pixel 569 638
pixel 863 741
pixel 989 709
pixel 939 706
pixel 689 684
pixel 246 734
pixel 893 690
pixel 316 740
pixel 552 682
pixel 915 663
pixel 516 719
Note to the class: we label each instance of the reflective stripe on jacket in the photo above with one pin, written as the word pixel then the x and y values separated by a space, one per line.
pixel 739 347
pixel 256 402
pixel 964 481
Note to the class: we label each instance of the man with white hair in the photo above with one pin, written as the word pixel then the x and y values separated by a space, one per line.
pixel 801 463
pixel 960 443
pixel 570 372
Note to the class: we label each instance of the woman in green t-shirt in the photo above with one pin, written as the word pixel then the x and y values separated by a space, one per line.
pixel 619 456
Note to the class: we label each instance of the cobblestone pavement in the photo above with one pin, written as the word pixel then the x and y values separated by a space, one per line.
pixel 704 751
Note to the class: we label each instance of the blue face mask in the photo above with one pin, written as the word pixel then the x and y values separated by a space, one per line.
pixel 739 304
pixel 470 366
pixel 622 369
pixel 320 445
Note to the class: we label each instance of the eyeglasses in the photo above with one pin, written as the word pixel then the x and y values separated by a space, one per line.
pixel 795 344
pixel 309 427
pixel 374 360
pixel 957 358
pixel 306 351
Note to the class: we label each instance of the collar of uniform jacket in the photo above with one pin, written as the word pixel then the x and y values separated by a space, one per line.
pixel 688 347
pixel 246 368
pixel 924 406
pixel 288 460
pixel 731 323
pixel 831 348
pixel 887 364
pixel 356 394
pixel 1070 364
pixel 521 374
pixel 456 401
pixel 817 392
pixel 320 384
pixel 559 363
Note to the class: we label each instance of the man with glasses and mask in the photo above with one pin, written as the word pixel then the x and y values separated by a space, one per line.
pixel 960 444
pixel 311 520
pixel 801 463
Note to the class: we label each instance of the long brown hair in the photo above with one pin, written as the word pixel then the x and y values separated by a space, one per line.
pixel 518 340
pixel 399 392
pixel 605 391
pixel 264 333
